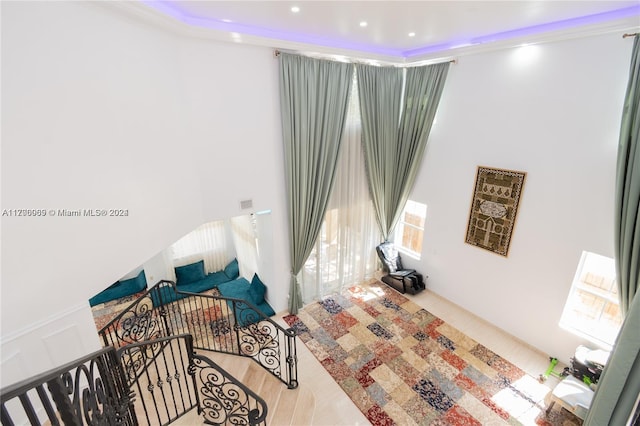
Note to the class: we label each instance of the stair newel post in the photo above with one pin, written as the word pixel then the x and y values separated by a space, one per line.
pixel 292 359
pixel 164 312
pixel 191 369
pixel 236 324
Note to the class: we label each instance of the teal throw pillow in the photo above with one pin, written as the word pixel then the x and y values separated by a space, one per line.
pixel 138 283
pixel 256 291
pixel 190 273
pixel 231 270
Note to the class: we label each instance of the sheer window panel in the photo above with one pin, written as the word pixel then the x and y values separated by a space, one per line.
pixel 344 254
pixel 208 242
pixel 246 244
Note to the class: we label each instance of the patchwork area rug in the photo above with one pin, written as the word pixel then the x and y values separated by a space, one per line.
pixel 402 365
pixel 103 313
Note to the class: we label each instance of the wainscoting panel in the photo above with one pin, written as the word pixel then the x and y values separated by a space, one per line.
pixel 48 343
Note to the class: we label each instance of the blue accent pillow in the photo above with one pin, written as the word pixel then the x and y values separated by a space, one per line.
pixel 231 270
pixel 190 273
pixel 255 293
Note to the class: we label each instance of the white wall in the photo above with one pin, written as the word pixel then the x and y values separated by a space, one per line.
pixel 101 111
pixel 553 111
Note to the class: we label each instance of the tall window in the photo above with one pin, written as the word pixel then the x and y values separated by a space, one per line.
pixel 208 242
pixel 410 228
pixel 345 249
pixel 592 309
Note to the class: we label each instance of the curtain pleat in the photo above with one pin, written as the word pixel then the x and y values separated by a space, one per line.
pixel 395 129
pixel 619 385
pixel 313 103
pixel 627 225
pixel 380 92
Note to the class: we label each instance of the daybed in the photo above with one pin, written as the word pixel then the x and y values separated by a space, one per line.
pixel 120 289
pixel 192 278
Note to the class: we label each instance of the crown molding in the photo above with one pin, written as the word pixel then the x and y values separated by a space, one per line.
pixel 198 28
pixel 622 25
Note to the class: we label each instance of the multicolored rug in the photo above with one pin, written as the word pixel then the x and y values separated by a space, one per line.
pixel 402 365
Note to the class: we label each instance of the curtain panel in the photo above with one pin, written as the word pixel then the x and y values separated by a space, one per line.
pixel 344 253
pixel 627 223
pixel 313 103
pixel 619 386
pixel 398 108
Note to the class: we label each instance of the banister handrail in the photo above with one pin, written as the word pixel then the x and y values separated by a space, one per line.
pixel 186 336
pixel 15 389
pixel 88 390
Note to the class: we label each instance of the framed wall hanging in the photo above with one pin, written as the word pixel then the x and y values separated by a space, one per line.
pixel 494 207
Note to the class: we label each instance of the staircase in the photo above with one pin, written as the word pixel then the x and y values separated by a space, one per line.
pixel 286 406
pixel 173 358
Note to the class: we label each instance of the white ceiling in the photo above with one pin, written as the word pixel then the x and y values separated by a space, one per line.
pixel 438 25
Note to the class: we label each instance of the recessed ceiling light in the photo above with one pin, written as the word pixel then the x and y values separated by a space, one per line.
pixel 412 34
pixel 295 9
pixel 363 24
pixel 227 21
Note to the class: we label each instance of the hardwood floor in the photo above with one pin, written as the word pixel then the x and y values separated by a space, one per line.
pixel 319 400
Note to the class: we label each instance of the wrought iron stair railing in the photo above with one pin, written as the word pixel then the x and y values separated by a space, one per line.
pixel 223 399
pixel 166 376
pixel 217 323
pixel 91 390
pixel 169 380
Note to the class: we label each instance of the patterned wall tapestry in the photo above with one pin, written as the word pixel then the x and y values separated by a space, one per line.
pixel 493 209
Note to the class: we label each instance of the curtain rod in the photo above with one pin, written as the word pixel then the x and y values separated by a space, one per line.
pixel 277 52
pixel 630 35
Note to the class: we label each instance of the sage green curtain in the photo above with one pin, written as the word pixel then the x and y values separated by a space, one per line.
pixel 380 92
pixel 619 386
pixel 313 100
pixel 627 225
pixel 397 114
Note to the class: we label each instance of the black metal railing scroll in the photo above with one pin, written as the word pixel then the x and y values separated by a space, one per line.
pixel 89 391
pixel 169 380
pixel 218 324
pixel 223 399
pixel 151 316
pixel 158 372
pixel 237 327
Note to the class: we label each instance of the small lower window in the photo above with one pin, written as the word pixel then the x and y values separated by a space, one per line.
pixel 410 228
pixel 593 307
